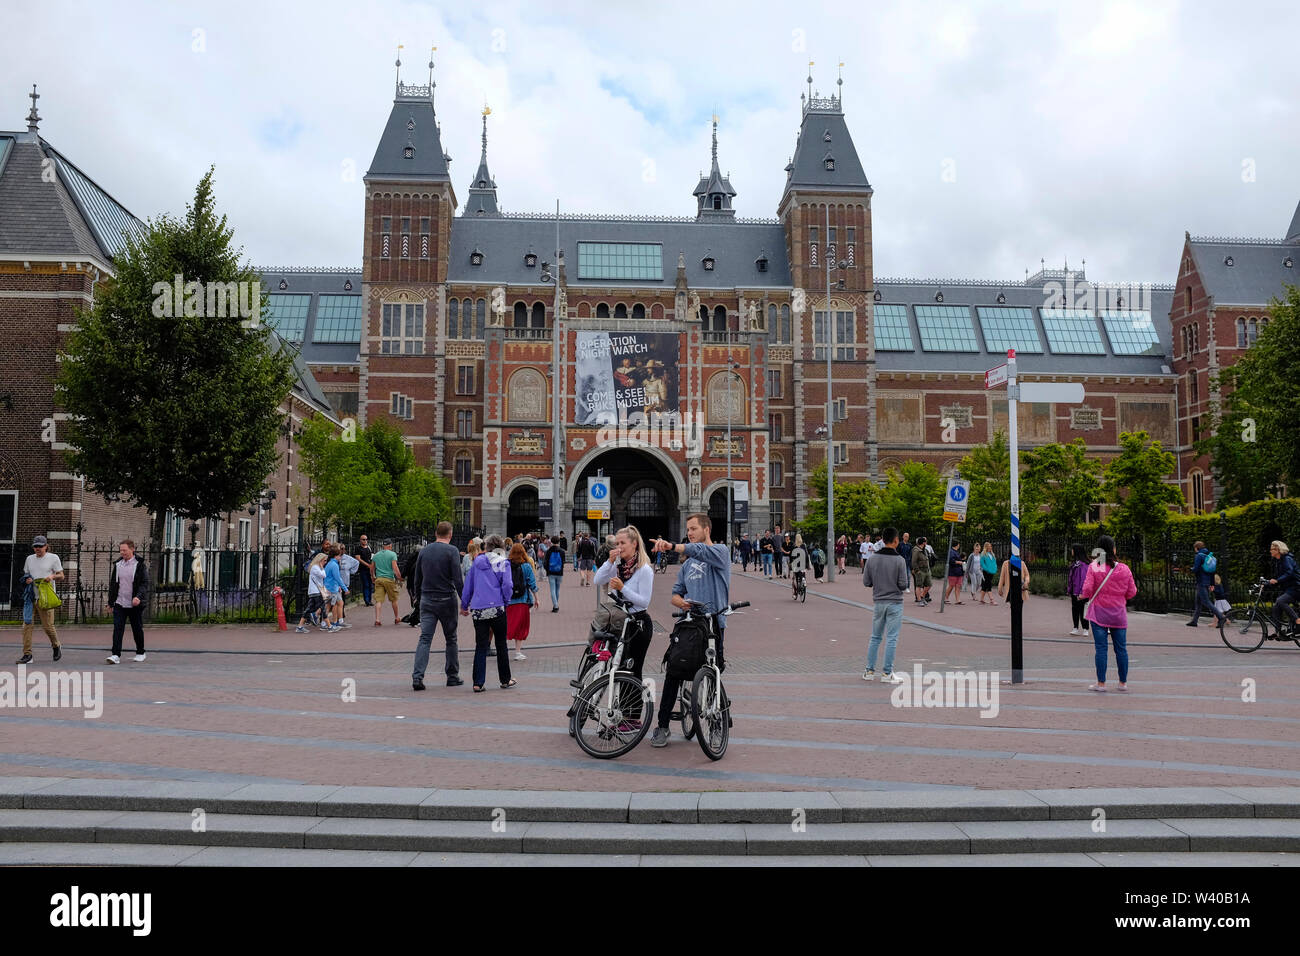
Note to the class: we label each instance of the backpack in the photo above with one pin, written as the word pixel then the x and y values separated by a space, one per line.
pixel 555 562
pixel 686 646
pixel 1211 563
pixel 517 578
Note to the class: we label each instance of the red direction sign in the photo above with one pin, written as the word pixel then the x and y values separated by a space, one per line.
pixel 995 377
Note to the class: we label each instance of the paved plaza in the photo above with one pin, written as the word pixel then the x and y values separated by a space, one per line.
pixel 249 704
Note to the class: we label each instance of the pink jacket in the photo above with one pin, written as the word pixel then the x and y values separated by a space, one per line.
pixel 1109 609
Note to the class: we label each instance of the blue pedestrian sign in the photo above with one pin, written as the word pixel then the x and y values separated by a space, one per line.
pixel 598 494
pixel 955 501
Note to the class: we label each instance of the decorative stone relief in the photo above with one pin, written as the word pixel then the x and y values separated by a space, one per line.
pixel 527 396
pixel 962 416
pixel 1085 419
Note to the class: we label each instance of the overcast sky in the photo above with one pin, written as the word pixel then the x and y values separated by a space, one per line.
pixel 994 134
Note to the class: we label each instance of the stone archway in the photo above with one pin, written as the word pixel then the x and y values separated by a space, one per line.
pixel 633 472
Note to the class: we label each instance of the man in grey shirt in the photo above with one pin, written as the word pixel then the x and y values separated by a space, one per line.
pixel 439 582
pixel 886 574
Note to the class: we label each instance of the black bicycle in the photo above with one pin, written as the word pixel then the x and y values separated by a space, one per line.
pixel 1246 627
pixel 800 587
pixel 612 710
pixel 703 706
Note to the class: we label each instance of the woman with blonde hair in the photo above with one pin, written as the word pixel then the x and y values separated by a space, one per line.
pixel 315 597
pixel 630 572
pixel 523 584
pixel 471 552
pixel 1286 577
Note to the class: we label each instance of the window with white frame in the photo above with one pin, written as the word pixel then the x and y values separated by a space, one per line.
pixel 465 379
pixel 774 389
pixel 776 473
pixel 464 469
pixel 464 512
pixel 401 406
pixel 841 453
pixel 841 409
pixel 403 328
pixel 465 423
pixel 844 336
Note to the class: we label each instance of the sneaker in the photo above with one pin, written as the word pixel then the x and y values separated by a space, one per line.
pixel 660 737
pixel 869 674
pixel 519 656
pixel 25 659
pixel 300 629
pixel 891 678
pixel 334 627
pixel 344 624
pixel 1075 632
pixel 138 658
pixel 58 652
pixel 112 659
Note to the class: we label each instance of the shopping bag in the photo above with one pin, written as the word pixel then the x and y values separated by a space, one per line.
pixel 46 599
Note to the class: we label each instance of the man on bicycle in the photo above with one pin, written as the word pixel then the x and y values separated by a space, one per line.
pixel 705 577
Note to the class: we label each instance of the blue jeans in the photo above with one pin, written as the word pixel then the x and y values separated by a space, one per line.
pixel 1118 636
pixel 767 565
pixel 886 622
pixel 1203 601
pixel 554 581
pixel 367 587
pixel 433 613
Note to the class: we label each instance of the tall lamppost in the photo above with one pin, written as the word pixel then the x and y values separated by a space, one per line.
pixel 827 328
pixel 731 507
pixel 557 430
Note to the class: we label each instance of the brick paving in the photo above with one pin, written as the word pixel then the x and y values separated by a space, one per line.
pixel 251 703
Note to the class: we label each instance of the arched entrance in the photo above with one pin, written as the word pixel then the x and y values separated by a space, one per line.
pixel 521 512
pixel 644 494
pixel 718 514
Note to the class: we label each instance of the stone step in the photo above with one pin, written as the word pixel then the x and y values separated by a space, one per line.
pixel 146 854
pixel 507 836
pixel 742 807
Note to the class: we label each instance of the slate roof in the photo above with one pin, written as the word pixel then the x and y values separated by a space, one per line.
pixel 1293 230
pixel 305 385
pixel 1257 273
pixel 482 198
pixel 317 282
pixel 734 246
pixel 410 123
pixel 1034 295
pixel 808 168
pixel 67 215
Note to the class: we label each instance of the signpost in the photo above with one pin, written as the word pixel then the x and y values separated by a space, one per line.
pixel 741 503
pixel 955 501
pixel 598 499
pixel 545 500
pixel 995 377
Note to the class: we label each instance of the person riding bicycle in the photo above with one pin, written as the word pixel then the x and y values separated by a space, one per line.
pixel 628 571
pixel 1287 578
pixel 798 565
pixel 705 578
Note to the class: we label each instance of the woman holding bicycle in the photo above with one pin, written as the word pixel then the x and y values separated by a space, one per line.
pixel 1287 579
pixel 629 571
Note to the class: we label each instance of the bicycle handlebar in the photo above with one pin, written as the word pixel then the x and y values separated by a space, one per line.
pixel 697 607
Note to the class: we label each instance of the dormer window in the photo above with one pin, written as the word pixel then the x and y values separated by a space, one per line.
pixel 1119 302
pixel 1227 260
pixel 707 262
pixel 347 286
pixel 1288 262
pixel 761 263
pixel 938 297
pixel 826 136
pixel 530 259
pixel 408 152
pixel 476 257
pixel 482 184
pixel 830 162
pixel 283 285
pixel 410 123
pixel 877 297
pixel 717 202
pixel 1002 298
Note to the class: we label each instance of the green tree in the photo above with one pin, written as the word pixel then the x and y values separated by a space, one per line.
pixel 912 500
pixel 1063 480
pixel 176 412
pixel 1254 445
pixel 988 469
pixel 1135 482
pixel 855 506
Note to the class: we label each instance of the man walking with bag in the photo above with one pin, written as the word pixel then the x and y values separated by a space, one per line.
pixel 886 575
pixel 42 565
pixel 441 581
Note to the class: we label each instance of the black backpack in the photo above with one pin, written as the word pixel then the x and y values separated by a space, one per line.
pixel 686 646
pixel 517 578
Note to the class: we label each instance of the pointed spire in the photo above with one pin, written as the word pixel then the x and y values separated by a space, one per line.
pixel 398 64
pixel 486 112
pixel 432 85
pixel 713 193
pixel 33 118
pixel 483 190
pixel 839 82
pixel 810 89
pixel 715 142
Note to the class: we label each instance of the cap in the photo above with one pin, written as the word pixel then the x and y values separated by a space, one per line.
pixel 39 541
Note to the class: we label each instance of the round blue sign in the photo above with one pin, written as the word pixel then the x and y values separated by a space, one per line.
pixel 958 493
pixel 599 491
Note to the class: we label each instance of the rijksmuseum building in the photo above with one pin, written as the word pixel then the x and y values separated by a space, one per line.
pixel 462 322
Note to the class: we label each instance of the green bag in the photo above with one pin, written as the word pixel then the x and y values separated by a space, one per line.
pixel 46 599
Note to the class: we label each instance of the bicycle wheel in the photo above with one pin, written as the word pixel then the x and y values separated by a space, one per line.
pixel 603 733
pixel 803 592
pixel 1242 631
pixel 687 712
pixel 712 724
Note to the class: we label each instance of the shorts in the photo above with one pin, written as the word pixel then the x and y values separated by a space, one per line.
pixel 586 564
pixel 386 587
pixel 330 598
pixel 921 579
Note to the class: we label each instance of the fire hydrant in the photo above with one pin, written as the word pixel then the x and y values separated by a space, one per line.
pixel 278 594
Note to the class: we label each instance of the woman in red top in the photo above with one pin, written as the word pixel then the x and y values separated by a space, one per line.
pixel 1110 585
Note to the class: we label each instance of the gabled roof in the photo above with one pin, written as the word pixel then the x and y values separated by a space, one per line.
pixel 411 124
pixel 734 246
pixel 825 134
pixel 1257 272
pixel 66 214
pixel 305 385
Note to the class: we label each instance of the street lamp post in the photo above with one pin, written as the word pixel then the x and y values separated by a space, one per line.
pixel 557 437
pixel 731 507
pixel 830 412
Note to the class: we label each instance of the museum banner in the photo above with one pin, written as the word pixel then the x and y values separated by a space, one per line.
pixel 624 376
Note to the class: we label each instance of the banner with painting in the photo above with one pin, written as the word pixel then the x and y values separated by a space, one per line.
pixel 625 376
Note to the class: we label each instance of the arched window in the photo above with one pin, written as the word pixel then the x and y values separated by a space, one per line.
pixel 1252 332
pixel 786 330
pixel 521 315
pixel 464 473
pixel 1241 332
pixel 773 325
pixel 720 319
pixel 620 311
pixel 638 311
pixel 1187 300
pixel 602 311
pixel 704 316
pixel 539 316
pixel 1198 492
pixel 717 202
pixel 480 319
pixel 466 318
pixel 453 318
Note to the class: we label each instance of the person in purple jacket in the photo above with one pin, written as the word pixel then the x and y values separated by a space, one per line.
pixel 1074 579
pixel 488 588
